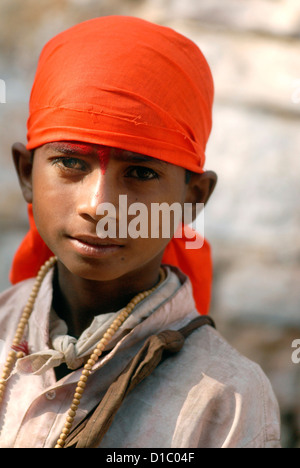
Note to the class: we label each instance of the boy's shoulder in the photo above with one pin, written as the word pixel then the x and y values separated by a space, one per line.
pixel 221 360
pixel 231 389
pixel 12 302
pixel 14 291
pixel 209 355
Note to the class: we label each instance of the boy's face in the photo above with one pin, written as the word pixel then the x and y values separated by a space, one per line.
pixel 67 183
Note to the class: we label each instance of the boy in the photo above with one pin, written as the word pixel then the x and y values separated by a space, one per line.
pixel 120 108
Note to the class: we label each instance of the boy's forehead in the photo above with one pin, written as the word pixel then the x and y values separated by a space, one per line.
pixel 76 147
pixel 86 149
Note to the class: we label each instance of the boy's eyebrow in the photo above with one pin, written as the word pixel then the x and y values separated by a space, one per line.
pixel 137 158
pixel 69 148
pixel 85 149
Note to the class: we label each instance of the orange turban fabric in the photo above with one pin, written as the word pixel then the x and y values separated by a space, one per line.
pixel 130 84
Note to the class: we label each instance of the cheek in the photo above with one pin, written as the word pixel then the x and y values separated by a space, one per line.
pixel 141 251
pixel 49 213
pixel 51 202
pixel 161 212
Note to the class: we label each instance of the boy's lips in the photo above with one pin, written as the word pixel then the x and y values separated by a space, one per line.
pixel 96 241
pixel 92 246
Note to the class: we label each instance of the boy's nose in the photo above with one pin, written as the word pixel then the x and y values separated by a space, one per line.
pixel 97 188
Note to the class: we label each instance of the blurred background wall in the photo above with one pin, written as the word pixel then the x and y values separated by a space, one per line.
pixel 253 219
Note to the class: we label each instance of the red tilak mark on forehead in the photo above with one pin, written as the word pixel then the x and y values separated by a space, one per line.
pixel 87 149
pixel 103 154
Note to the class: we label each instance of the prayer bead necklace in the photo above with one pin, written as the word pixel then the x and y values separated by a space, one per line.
pixel 19 351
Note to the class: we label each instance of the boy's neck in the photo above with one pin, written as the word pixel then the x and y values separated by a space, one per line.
pixel 77 301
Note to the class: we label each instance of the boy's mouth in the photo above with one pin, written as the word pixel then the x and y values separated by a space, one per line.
pixel 94 246
pixel 96 241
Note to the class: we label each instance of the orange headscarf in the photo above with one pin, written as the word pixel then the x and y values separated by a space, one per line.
pixel 130 84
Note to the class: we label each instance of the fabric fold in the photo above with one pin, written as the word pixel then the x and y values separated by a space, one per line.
pixel 91 431
pixel 74 352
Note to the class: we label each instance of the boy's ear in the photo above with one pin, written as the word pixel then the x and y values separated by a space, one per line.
pixel 200 187
pixel 23 163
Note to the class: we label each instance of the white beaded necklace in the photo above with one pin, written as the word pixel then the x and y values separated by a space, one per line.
pixel 18 353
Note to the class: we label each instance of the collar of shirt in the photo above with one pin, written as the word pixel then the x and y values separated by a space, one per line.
pixel 143 321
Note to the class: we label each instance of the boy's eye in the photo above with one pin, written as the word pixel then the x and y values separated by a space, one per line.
pixel 70 164
pixel 143 173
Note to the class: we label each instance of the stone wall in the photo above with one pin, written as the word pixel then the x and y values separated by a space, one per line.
pixel 253 218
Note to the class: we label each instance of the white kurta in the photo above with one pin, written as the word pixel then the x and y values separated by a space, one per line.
pixel 207 395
